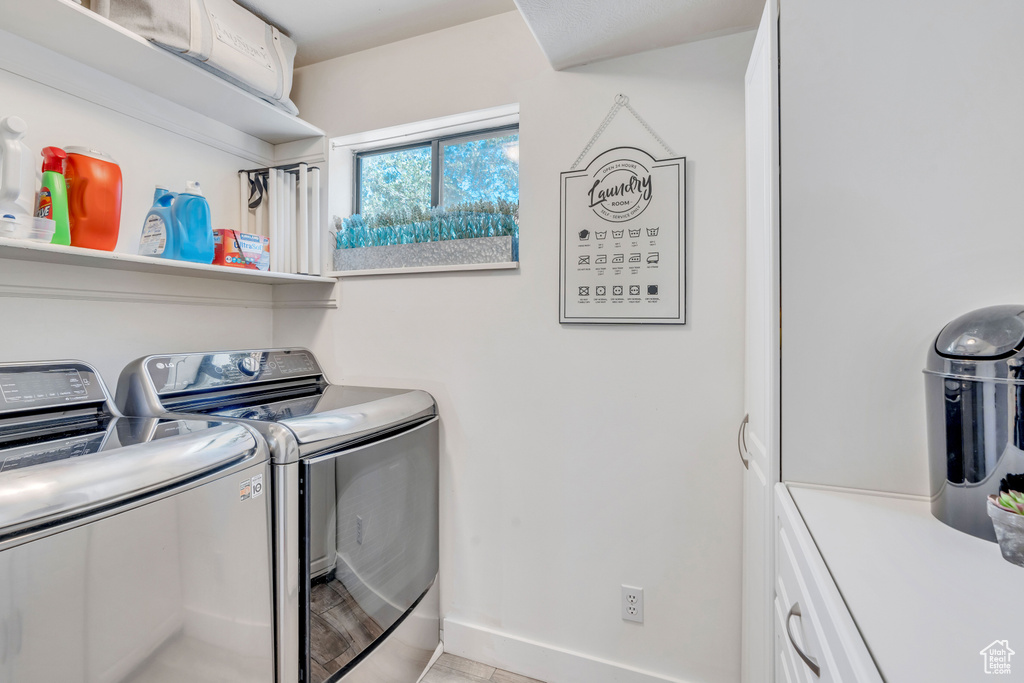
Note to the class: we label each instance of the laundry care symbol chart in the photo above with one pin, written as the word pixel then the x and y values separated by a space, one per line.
pixel 623 239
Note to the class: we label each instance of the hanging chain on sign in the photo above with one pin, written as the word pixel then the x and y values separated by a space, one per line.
pixel 620 102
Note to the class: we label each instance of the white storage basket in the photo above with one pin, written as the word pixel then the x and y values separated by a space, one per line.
pixel 218 35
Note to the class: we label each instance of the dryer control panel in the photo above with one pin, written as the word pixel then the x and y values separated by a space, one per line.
pixel 210 371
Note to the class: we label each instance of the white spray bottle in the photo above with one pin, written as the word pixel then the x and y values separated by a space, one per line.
pixel 17 172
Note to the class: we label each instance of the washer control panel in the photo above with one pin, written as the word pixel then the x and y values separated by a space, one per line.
pixel 26 386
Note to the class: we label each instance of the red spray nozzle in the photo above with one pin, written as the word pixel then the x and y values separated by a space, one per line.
pixel 53 159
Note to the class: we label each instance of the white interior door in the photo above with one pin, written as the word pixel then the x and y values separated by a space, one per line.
pixel 759 432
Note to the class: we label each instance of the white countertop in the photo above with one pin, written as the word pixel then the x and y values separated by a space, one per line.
pixel 926 598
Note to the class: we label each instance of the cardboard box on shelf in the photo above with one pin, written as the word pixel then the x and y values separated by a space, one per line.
pixel 241 250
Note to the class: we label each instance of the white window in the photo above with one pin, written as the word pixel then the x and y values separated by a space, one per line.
pixel 439 180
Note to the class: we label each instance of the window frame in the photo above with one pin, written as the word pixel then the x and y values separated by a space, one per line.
pixel 341 148
pixel 436 145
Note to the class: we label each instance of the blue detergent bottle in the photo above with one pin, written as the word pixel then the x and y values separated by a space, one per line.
pixel 191 214
pixel 160 235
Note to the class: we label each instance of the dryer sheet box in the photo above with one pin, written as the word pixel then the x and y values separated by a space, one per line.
pixel 241 250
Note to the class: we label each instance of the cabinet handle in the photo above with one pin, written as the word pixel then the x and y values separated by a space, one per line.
pixel 811 662
pixel 741 441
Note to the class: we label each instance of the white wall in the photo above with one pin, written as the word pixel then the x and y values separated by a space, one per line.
pixel 106 317
pixel 475 66
pixel 575 458
pixel 901 185
pixel 148 155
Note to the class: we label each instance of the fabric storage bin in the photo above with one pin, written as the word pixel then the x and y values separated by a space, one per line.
pixel 219 36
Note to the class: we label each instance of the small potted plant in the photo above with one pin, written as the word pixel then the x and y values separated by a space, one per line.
pixel 1007 513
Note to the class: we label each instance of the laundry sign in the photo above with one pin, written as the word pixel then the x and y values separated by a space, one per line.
pixel 623 240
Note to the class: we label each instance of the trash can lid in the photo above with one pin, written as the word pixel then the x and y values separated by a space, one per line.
pixel 993 332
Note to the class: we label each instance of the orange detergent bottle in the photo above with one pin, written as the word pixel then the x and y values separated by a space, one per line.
pixel 94 198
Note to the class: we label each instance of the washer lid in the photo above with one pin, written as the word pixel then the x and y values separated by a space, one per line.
pixel 335 426
pixel 339 413
pixel 987 333
pixel 45 483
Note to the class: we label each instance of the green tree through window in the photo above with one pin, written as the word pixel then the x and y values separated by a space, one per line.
pixel 480 170
pixel 390 180
pixel 481 167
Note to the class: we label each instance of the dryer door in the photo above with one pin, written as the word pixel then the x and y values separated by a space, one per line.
pixel 370 545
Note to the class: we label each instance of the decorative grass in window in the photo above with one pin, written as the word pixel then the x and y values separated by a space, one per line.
pixel 472 233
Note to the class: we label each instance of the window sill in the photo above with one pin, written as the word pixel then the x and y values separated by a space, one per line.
pixel 506 265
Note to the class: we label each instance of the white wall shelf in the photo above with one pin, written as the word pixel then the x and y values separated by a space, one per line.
pixel 77 33
pixel 24 250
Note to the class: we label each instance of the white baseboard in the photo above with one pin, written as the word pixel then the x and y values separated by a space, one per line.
pixel 542 661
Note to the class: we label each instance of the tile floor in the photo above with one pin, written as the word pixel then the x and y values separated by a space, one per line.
pixel 451 669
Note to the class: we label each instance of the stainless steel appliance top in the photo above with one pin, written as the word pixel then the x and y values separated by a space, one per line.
pixel 283 393
pixel 65 450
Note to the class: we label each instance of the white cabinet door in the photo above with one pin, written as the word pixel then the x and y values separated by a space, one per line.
pixel 759 432
pixel 816 638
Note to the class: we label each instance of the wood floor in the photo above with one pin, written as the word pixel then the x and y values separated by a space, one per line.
pixel 339 629
pixel 451 669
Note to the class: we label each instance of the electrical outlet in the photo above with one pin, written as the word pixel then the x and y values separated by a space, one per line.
pixel 633 604
pixel 360 525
